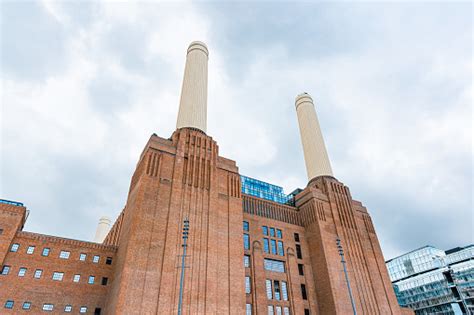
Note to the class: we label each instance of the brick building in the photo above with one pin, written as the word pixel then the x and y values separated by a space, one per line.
pixel 251 248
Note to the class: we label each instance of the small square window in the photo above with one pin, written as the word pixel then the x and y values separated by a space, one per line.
pixel 9 304
pixel 58 276
pixel 83 309
pixel 5 270
pixel 91 280
pixel 82 257
pixel 265 230
pixel 97 311
pixel 64 254
pixel 246 261
pixel 30 250
pixel 306 311
pixel 108 261
pixel 279 233
pixel 76 278
pixel 96 259
pixel 15 247
pixel 246 226
pixel 301 269
pixel 48 307
pixel 22 272
pixel 68 309
pixel 105 280
pixel 38 273
pixel 1 231
pixel 297 237
pixel 272 232
pixel 26 305
pixel 45 252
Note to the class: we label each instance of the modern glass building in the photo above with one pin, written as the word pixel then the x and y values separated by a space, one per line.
pixel 260 189
pixel 432 281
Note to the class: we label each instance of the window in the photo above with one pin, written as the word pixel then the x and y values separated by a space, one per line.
pixel 297 237
pixel 281 251
pixel 14 247
pixel 272 232
pixel 270 309
pixel 5 270
pixel 300 269
pixel 64 254
pixel 22 272
pixel 246 226
pixel 268 284
pixel 30 250
pixel 276 287
pixel 45 252
pixel 279 234
pixel 38 273
pixel 26 305
pixel 278 310
pixel 274 265
pixel 303 292
pixel 284 291
pixel 91 280
pixel 265 230
pixel 68 309
pixel 9 304
pixel 298 251
pixel 306 311
pixel 58 276
pixel 83 309
pixel 246 241
pixel 76 278
pixel 247 285
pixel 274 247
pixel 108 261
pixel 97 311
pixel 1 231
pixel 96 259
pixel 82 257
pixel 266 245
pixel 48 307
pixel 286 311
pixel 104 280
pixel 246 261
pixel 248 309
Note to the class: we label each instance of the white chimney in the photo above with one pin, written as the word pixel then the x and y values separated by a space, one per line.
pixel 102 229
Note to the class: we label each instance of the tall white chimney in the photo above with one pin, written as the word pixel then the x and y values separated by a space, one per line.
pixel 102 229
pixel 193 103
pixel 315 154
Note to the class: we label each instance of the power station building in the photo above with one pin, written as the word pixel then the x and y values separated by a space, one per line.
pixel 250 249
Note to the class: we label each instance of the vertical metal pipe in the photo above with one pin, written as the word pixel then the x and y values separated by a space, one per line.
pixel 343 261
pixel 183 264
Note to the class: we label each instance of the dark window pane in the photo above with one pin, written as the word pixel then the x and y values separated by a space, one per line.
pixel 303 292
pixel 298 251
pixel 300 269
pixel 297 237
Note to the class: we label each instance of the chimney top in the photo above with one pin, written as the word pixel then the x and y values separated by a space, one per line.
pixel 198 45
pixel 303 98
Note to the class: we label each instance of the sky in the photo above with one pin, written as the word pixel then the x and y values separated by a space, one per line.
pixel 85 84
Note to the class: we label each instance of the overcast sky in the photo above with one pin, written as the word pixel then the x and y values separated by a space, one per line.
pixel 85 84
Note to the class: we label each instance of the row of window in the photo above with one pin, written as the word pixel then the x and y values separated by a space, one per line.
pixel 275 250
pixel 277 310
pixel 276 290
pixel 57 276
pixel 273 265
pixel 272 232
pixel 63 254
pixel 9 304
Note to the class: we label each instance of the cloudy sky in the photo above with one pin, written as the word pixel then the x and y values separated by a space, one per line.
pixel 84 85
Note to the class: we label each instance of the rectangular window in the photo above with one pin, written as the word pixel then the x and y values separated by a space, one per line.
pixel 266 245
pixel 91 280
pixel 1 231
pixel 274 265
pixel 108 261
pixel 246 261
pixel 286 311
pixel 96 259
pixel 45 252
pixel 265 230
pixel 279 234
pixel 9 304
pixel 97 311
pixel 306 311
pixel 270 309
pixel 303 292
pixel 104 281
pixel 298 251
pixel 272 232
pixel 48 307
pixel 248 309
pixel 246 241
pixel 68 309
pixel 246 226
pixel 15 247
pixel 76 278
pixel 5 270
pixel 300 269
pixel 284 291
pixel 64 254
pixel 268 284
pixel 274 247
pixel 83 309
pixel 22 272
pixel 30 250
pixel 276 287
pixel 58 276
pixel 281 251
pixel 38 273
pixel 278 310
pixel 26 305
pixel 247 285
pixel 82 257
pixel 297 237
